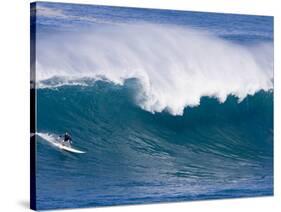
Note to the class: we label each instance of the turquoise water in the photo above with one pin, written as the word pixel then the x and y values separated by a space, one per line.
pixel 168 105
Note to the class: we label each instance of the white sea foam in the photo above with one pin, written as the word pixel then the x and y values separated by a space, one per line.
pixel 176 66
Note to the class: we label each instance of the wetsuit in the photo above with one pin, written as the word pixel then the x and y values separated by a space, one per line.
pixel 66 138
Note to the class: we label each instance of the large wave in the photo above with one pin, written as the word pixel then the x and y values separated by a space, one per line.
pixel 212 151
pixel 104 114
pixel 174 66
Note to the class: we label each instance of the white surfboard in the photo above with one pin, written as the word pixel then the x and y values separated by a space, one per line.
pixel 55 141
pixel 70 149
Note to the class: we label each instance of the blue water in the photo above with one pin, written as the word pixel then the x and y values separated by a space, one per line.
pixel 143 145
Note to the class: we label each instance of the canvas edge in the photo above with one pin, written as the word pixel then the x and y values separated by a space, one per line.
pixel 33 204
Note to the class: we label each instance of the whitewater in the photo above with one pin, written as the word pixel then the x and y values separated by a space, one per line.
pixel 167 105
pixel 175 66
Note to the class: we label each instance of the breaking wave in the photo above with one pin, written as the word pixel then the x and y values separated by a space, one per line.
pixel 175 66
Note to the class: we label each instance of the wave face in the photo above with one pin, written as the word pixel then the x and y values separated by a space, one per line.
pixel 175 66
pixel 167 105
pixel 216 150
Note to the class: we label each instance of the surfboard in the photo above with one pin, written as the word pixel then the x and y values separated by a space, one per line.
pixel 55 141
pixel 69 149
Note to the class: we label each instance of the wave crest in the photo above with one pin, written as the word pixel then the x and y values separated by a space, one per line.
pixel 175 66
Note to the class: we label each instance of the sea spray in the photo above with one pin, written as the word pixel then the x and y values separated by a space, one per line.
pixel 176 66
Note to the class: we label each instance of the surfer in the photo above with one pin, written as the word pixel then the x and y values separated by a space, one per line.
pixel 66 138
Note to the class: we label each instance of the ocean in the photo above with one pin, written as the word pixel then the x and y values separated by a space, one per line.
pixel 167 105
